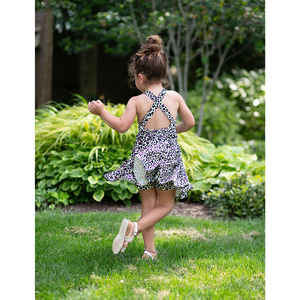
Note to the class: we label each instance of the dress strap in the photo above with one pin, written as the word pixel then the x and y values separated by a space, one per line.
pixel 153 97
pixel 157 103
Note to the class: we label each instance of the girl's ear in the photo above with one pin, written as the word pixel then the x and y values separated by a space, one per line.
pixel 141 78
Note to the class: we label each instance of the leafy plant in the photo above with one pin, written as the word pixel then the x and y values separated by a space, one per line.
pixel 234 109
pixel 247 88
pixel 220 122
pixel 238 196
pixel 74 148
pixel 224 161
pixel 254 147
pixel 79 174
pixel 50 197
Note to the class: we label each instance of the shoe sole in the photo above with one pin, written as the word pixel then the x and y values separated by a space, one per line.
pixel 119 239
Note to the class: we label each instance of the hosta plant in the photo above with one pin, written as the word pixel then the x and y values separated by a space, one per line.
pixel 74 148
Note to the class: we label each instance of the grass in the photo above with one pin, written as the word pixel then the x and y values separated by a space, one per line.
pixel 198 259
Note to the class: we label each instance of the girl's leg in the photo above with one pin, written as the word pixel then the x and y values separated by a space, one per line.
pixel 164 204
pixel 148 203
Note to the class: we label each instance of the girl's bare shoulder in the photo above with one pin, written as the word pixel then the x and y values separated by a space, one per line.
pixel 136 100
pixel 174 95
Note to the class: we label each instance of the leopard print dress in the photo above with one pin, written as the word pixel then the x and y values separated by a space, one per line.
pixel 156 159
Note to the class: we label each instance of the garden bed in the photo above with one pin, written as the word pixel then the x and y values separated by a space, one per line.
pixel 180 208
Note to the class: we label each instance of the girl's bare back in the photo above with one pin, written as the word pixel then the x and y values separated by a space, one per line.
pixel 159 119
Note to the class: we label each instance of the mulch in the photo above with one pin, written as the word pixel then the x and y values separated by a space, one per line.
pixel 190 209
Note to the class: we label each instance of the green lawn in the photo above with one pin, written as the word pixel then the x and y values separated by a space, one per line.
pixel 198 259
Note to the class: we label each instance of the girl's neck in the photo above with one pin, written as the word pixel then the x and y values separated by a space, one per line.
pixel 154 88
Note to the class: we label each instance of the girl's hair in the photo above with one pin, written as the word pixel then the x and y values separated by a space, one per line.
pixel 150 60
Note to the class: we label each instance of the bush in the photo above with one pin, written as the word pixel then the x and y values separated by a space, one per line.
pixel 78 175
pixel 74 148
pixel 224 161
pixel 248 90
pixel 220 123
pixel 253 147
pixel 50 197
pixel 234 109
pixel 240 196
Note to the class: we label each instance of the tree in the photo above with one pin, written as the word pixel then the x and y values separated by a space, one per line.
pixel 189 28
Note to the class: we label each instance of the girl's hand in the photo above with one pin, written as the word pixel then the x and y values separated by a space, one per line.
pixel 96 107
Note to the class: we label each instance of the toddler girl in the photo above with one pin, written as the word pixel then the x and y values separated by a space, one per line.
pixel 155 165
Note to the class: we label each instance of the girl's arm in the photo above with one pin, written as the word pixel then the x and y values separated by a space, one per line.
pixel 187 117
pixel 119 124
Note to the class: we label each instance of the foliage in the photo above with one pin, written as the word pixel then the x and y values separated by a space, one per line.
pixel 80 28
pixel 224 161
pixel 74 148
pixel 84 24
pixel 198 258
pixel 189 29
pixel 254 147
pixel 239 196
pixel 74 127
pixel 192 28
pixel 248 90
pixel 235 108
pixel 50 197
pixel 220 122
pixel 76 174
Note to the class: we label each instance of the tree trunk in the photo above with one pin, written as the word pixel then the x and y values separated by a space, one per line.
pixel 88 74
pixel 199 128
pixel 42 52
pixel 206 91
pixel 186 68
pixel 177 53
pixel 170 75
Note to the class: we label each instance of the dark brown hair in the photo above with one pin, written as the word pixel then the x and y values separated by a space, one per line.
pixel 150 60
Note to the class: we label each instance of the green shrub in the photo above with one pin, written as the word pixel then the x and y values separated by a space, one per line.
pixel 74 148
pixel 254 147
pixel 79 174
pixel 224 161
pixel 234 109
pixel 220 122
pixel 248 90
pixel 240 196
pixel 50 197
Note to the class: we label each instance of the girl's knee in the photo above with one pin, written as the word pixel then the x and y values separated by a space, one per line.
pixel 148 206
pixel 166 199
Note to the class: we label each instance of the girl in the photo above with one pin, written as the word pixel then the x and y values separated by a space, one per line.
pixel 155 165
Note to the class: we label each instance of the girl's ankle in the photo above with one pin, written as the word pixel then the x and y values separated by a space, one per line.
pixel 153 252
pixel 149 253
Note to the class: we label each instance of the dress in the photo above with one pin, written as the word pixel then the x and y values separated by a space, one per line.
pixel 156 159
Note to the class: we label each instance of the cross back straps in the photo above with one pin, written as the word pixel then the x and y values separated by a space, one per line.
pixel 157 103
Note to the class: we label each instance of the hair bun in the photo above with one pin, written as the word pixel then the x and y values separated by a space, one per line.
pixel 153 44
pixel 150 60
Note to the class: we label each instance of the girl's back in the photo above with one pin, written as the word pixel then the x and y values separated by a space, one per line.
pixel 159 119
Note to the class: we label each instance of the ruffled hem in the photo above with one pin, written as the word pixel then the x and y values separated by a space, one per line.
pixel 162 173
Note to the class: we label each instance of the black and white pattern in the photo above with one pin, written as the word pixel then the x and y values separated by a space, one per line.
pixel 156 159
